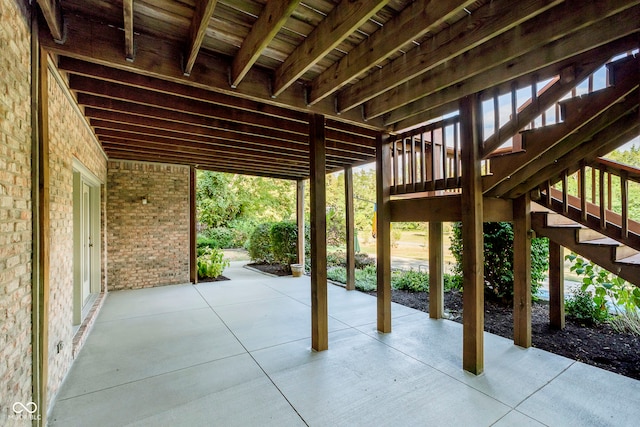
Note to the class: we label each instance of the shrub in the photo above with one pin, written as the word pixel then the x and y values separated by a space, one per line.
pixel 366 278
pixel 498 258
pixel 580 305
pixel 221 237
pixel 260 244
pixel 211 263
pixel 284 242
pixel 411 280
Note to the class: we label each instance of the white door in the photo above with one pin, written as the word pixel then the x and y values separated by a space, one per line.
pixel 87 245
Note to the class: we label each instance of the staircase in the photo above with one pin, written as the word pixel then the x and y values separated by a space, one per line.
pixel 581 217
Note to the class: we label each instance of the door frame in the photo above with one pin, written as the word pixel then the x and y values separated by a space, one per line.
pixel 81 177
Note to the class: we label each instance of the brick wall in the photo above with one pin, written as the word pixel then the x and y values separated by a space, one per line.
pixel 148 244
pixel 15 209
pixel 69 139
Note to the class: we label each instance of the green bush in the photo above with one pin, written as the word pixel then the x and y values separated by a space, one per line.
pixel 284 242
pixel 260 244
pixel 411 280
pixel 580 306
pixel 498 259
pixel 366 278
pixel 211 263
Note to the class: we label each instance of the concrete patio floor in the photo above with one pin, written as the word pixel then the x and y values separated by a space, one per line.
pixel 237 353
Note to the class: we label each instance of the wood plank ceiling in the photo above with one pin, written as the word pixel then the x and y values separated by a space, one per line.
pixel 228 85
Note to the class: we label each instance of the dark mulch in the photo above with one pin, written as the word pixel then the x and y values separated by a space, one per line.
pixel 597 345
pixel 275 269
pixel 212 279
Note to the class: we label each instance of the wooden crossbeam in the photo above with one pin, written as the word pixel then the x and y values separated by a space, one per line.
pixel 270 21
pixel 157 58
pixel 199 23
pixel 343 20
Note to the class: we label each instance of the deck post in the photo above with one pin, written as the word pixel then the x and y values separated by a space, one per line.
pixel 436 264
pixel 556 285
pixel 193 254
pixel 318 190
pixel 472 236
pixel 300 220
pixel 522 271
pixel 383 232
pixel 350 225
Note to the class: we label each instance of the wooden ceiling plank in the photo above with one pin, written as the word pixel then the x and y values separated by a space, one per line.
pixel 55 21
pixel 156 58
pixel 416 20
pixel 576 48
pixel 199 23
pixel 530 36
pixel 487 22
pixel 269 22
pixel 341 22
pixel 129 47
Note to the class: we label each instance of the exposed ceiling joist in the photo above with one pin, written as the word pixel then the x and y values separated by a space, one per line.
pixel 127 12
pixel 269 23
pixel 53 15
pixel 199 23
pixel 341 22
pixel 418 19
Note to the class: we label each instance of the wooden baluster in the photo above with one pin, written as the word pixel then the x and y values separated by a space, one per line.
pixel 593 185
pixel 423 160
pixel 516 142
pixel 444 157
pixel 404 165
pixel 583 191
pixel 456 155
pixel 413 163
pixel 591 83
pixel 565 192
pixel 609 192
pixel 534 97
pixel 603 218
pixel 496 114
pixel 433 159
pixel 624 195
pixel 394 163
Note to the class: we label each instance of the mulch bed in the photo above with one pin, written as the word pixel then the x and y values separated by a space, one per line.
pixel 275 269
pixel 212 279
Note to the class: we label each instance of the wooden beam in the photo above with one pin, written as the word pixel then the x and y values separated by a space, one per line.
pixel 414 21
pixel 129 47
pixel 486 22
pixel 199 23
pixel 527 37
pixel 343 20
pixel 42 232
pixel 300 221
pixel 53 15
pixel 157 58
pixel 350 228
pixel 446 209
pixel 556 285
pixel 193 264
pixel 558 55
pixel 271 20
pixel 383 233
pixel 472 237
pixel 319 313
pixel 436 271
pixel 522 271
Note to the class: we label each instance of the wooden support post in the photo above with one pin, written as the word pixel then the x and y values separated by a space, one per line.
pixel 383 232
pixel 319 313
pixel 41 227
pixel 193 254
pixel 436 265
pixel 300 219
pixel 556 285
pixel 522 271
pixel 351 237
pixel 472 237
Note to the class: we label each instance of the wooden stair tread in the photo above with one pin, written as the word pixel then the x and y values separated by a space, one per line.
pixel 604 241
pixel 635 259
